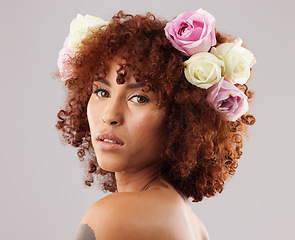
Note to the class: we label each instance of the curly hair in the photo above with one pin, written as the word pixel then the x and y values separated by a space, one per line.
pixel 201 150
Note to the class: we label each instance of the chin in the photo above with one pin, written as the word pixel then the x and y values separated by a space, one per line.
pixel 111 165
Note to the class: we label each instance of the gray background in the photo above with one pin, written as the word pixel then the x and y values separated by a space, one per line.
pixel 42 194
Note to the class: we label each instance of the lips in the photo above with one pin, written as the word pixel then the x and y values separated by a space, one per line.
pixel 109 137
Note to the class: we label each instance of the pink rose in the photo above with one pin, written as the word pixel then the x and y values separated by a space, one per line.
pixel 192 32
pixel 64 62
pixel 227 99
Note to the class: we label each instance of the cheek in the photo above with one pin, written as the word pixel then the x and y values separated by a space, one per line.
pixel 148 125
pixel 90 118
pixel 92 113
pixel 89 113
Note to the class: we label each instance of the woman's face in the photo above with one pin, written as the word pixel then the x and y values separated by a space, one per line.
pixel 126 126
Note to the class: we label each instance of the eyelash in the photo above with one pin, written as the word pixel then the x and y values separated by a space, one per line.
pixel 96 92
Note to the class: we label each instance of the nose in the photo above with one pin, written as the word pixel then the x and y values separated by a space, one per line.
pixel 113 113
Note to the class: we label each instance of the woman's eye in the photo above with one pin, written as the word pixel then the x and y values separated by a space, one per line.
pixel 139 99
pixel 101 93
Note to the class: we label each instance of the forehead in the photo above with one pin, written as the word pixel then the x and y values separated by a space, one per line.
pixel 122 72
pixel 127 84
pixel 117 75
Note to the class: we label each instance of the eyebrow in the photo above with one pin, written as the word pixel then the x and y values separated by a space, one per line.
pixel 129 86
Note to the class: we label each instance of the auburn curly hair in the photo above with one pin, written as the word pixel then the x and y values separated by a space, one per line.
pixel 201 150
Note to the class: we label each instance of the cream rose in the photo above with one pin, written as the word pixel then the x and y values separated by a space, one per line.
pixel 81 27
pixel 238 61
pixel 203 69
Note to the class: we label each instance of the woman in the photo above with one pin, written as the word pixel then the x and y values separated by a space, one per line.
pixel 158 112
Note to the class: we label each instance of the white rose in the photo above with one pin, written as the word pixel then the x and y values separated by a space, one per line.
pixel 81 27
pixel 203 69
pixel 238 61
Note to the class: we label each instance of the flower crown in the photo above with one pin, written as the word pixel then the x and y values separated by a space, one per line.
pixel 216 69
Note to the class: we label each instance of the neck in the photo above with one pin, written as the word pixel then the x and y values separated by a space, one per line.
pixel 138 180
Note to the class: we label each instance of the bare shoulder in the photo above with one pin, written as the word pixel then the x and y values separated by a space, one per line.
pixel 123 216
pixel 154 214
pixel 200 231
